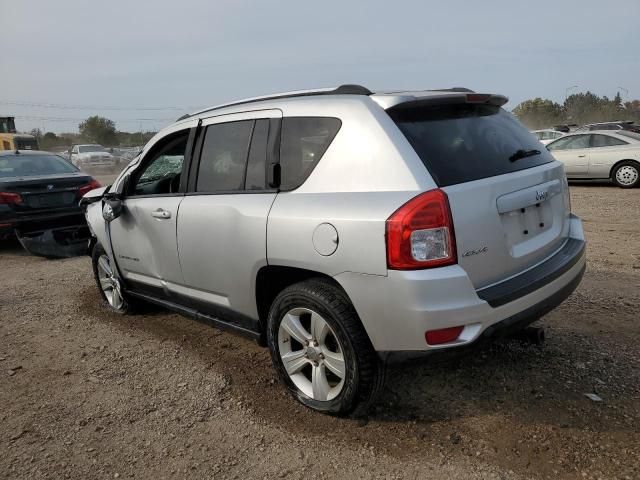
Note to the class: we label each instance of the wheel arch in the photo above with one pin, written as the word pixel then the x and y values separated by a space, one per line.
pixel 272 279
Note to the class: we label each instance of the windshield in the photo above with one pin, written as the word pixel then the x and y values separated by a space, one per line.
pixel 91 148
pixel 462 143
pixel 25 165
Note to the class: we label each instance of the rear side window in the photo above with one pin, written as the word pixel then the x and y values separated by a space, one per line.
pixel 224 157
pixel 303 143
pixel 256 164
pixel 605 141
pixel 465 142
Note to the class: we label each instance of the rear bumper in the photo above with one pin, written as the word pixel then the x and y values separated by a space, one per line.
pixel 398 309
pixel 61 233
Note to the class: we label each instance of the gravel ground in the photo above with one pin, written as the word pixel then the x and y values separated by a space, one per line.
pixel 89 394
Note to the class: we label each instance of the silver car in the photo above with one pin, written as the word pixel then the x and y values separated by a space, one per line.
pixel 344 229
pixel 600 154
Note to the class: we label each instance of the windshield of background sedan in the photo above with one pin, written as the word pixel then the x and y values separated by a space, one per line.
pixel 91 148
pixel 33 165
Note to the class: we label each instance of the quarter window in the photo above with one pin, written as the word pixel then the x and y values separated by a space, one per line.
pixel 303 143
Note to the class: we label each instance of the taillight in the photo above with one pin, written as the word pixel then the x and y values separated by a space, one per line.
pixel 420 233
pixel 84 189
pixel 10 198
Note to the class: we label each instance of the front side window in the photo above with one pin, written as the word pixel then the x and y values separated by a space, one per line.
pixel 303 143
pixel 224 157
pixel 570 143
pixel 605 141
pixel 163 166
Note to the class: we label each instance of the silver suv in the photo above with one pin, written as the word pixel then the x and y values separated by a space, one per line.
pixel 343 229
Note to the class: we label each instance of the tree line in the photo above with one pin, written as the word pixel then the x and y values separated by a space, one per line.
pixel 94 129
pixel 579 108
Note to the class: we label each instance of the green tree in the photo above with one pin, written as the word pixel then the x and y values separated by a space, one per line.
pixel 99 129
pixel 538 113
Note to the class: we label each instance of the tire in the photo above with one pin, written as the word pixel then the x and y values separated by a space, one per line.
pixel 314 371
pixel 626 174
pixel 109 291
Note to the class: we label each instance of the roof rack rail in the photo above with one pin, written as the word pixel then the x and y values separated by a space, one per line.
pixel 347 89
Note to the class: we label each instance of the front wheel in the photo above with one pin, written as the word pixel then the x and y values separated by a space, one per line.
pixel 320 349
pixel 626 174
pixel 109 285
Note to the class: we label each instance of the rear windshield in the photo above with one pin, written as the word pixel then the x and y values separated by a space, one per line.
pixel 25 143
pixel 465 142
pixel 627 133
pixel 91 148
pixel 23 165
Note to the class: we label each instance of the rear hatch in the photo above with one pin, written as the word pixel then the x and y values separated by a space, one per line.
pixel 508 197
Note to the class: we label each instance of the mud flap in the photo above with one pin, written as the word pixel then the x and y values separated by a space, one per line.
pixel 56 243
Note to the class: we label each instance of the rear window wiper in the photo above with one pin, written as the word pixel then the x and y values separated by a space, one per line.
pixel 523 154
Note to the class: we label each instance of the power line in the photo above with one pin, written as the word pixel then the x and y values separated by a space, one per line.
pixel 64 106
pixel 68 119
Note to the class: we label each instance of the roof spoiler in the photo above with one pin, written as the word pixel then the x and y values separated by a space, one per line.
pixel 449 99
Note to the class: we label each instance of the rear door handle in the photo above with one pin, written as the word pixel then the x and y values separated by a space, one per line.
pixel 581 156
pixel 160 213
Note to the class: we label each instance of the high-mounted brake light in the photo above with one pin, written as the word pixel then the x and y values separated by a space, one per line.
pixel 420 233
pixel 84 189
pixel 10 198
pixel 486 98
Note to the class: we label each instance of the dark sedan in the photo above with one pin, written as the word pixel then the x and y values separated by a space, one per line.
pixel 39 195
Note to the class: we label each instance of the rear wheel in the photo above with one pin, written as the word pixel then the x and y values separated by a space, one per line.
pixel 109 285
pixel 626 174
pixel 320 349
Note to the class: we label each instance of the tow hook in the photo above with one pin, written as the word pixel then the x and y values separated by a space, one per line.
pixel 533 335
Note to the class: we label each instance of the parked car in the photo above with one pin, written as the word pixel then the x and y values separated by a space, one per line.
pixel 39 202
pixel 343 229
pixel 619 125
pixel 547 135
pixel 83 156
pixel 601 154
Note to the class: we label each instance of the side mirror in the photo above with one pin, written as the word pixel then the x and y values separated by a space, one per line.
pixel 112 208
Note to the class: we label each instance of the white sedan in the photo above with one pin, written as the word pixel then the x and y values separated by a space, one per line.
pixel 547 135
pixel 599 155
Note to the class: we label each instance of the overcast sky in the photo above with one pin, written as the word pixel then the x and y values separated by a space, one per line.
pixel 138 55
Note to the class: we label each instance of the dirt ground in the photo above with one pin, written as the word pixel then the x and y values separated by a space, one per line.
pixel 88 394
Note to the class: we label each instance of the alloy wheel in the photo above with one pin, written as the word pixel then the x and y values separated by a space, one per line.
pixel 627 175
pixel 108 283
pixel 311 354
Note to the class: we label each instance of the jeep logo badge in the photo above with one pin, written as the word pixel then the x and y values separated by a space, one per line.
pixel 541 195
